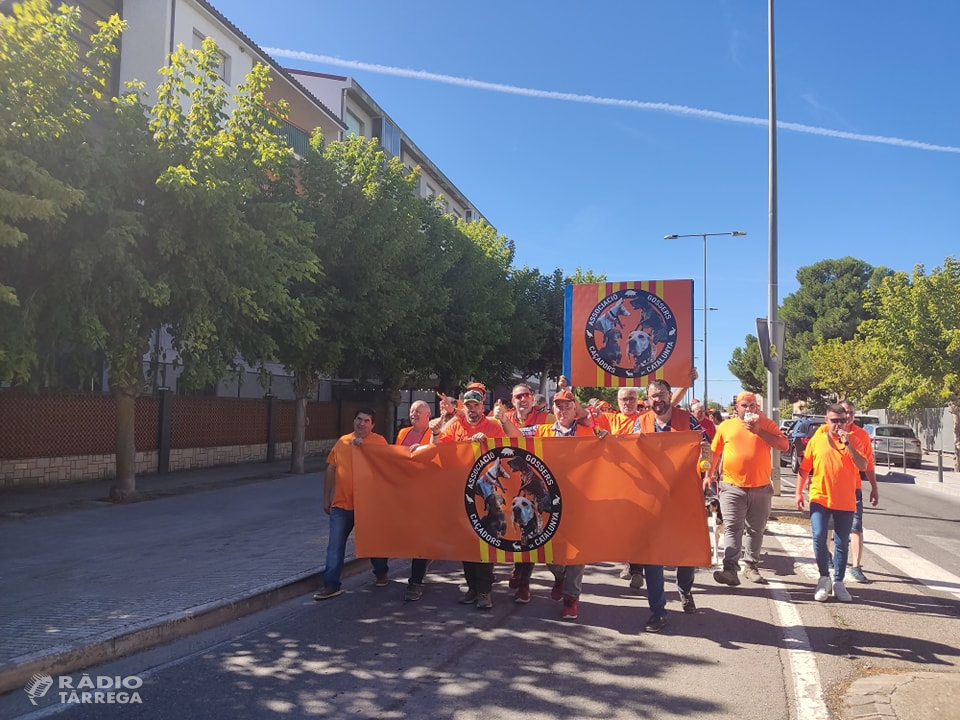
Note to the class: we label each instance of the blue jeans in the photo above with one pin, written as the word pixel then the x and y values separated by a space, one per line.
pixel 858 515
pixel 341 525
pixel 842 522
pixel 656 594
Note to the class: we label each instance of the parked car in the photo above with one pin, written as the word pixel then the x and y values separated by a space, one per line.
pixel 799 436
pixel 787 425
pixel 864 420
pixel 892 442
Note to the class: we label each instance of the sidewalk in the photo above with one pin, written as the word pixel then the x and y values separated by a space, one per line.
pixel 86 581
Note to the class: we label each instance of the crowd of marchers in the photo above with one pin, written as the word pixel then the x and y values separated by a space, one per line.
pixel 735 471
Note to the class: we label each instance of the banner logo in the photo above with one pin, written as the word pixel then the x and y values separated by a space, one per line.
pixel 631 333
pixel 512 500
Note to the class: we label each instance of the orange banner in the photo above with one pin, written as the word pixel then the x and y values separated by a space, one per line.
pixel 634 498
pixel 628 333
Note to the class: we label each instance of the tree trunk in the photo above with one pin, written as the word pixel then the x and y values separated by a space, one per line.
pixel 125 488
pixel 299 437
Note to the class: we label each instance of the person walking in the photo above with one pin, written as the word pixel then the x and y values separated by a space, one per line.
pixel 338 503
pixel 418 433
pixel 831 466
pixel 526 418
pixel 870 474
pixel 664 417
pixel 745 491
pixel 470 424
pixel 568 579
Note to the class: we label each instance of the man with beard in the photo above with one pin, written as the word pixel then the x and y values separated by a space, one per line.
pixel 470 424
pixel 664 417
pixel 526 418
pixel 745 492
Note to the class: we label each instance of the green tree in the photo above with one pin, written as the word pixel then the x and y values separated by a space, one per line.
pixel 917 321
pixel 851 369
pixel 44 105
pixel 830 303
pixel 747 366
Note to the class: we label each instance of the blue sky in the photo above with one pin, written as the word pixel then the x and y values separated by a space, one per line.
pixel 586 132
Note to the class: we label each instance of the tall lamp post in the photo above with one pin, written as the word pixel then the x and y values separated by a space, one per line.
pixel 706 307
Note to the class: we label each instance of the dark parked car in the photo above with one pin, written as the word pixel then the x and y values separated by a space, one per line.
pixel 799 436
pixel 891 443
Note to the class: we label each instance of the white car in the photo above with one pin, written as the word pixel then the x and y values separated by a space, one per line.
pixel 891 443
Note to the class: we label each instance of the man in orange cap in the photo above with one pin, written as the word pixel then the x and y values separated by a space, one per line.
pixel 568 579
pixel 745 492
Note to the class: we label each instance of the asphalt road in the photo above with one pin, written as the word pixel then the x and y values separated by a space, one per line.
pixel 755 652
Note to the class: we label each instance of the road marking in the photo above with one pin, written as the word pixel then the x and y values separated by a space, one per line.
pixel 804 675
pixel 912 565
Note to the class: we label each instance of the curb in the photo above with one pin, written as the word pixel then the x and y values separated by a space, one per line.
pixel 65 659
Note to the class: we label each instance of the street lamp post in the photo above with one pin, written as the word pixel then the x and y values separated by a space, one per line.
pixel 735 233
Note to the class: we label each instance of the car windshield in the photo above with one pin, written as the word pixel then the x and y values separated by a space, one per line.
pixel 897 432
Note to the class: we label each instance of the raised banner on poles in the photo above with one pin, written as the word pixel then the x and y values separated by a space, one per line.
pixel 634 498
pixel 628 333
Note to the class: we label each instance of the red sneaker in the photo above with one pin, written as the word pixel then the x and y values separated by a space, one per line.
pixel 557 592
pixel 571 608
pixel 522 595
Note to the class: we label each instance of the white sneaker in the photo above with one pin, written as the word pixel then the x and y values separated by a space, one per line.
pixel 823 589
pixel 840 592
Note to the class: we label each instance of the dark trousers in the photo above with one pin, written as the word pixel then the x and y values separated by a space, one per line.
pixel 479 576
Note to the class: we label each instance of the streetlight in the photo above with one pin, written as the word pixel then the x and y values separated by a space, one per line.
pixel 704 341
pixel 735 233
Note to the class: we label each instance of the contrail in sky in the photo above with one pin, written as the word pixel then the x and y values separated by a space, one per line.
pixel 594 100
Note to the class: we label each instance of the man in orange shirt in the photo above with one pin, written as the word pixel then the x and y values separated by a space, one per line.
pixel 568 579
pixel 418 433
pixel 745 492
pixel 832 463
pixel 338 503
pixel 470 424
pixel 856 532
pixel 526 417
pixel 664 417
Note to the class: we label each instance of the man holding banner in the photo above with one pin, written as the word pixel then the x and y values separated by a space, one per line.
pixel 472 424
pixel 663 417
pixel 568 579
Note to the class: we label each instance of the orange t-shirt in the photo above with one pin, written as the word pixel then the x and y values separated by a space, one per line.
pixel 551 431
pixel 406 436
pixel 746 456
pixel 534 417
pixel 621 424
pixel 866 444
pixel 833 476
pixel 341 457
pixel 460 430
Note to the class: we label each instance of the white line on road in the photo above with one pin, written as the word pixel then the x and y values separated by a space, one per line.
pixel 803 661
pixel 912 565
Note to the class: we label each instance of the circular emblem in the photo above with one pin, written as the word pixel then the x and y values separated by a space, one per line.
pixel 512 500
pixel 631 333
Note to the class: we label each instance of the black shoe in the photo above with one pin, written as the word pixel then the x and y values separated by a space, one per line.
pixel 686 600
pixel 656 623
pixel 470 598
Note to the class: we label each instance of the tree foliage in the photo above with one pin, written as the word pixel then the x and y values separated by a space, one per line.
pixel 917 321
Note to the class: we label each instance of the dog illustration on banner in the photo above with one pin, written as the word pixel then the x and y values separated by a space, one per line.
pixel 631 333
pixel 512 500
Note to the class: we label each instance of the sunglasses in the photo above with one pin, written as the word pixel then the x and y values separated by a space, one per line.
pixel 837 421
pixel 521 395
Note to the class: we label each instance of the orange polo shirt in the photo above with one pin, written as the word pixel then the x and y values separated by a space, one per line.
pixel 534 417
pixel 746 456
pixel 551 431
pixel 865 445
pixel 460 430
pixel 341 457
pixel 620 423
pixel 833 476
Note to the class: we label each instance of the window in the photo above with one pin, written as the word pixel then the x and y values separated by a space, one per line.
pixel 223 69
pixel 354 124
pixel 388 134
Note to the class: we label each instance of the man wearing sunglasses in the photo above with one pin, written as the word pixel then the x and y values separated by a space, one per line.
pixel 526 417
pixel 832 463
